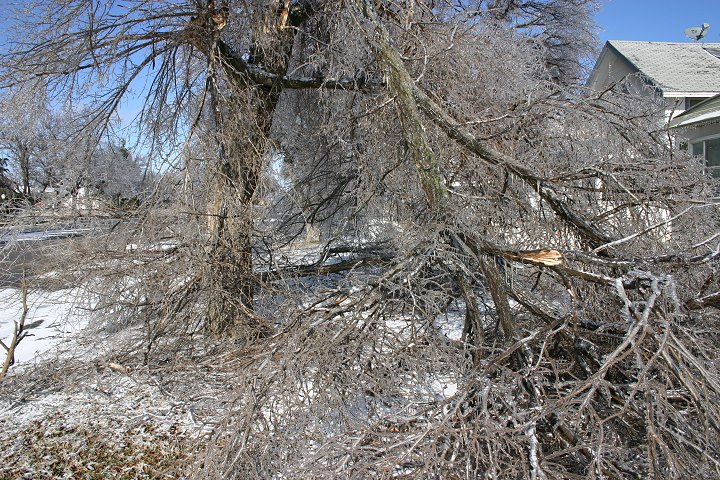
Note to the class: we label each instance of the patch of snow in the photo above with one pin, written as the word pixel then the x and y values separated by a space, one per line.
pixel 451 323
pixel 43 235
pixel 444 388
pixel 52 318
pixel 154 247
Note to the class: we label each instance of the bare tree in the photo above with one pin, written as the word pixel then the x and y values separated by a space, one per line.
pixel 192 67
pixel 545 219
pixel 24 130
pixel 544 303
pixel 564 29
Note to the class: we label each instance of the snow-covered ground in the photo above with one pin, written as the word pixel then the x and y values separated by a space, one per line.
pixel 51 319
pixel 81 403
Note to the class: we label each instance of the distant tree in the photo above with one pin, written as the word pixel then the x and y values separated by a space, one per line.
pixel 7 190
pixel 24 130
pixel 565 30
pixel 84 162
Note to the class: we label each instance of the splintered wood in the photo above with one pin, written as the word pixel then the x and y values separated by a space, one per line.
pixel 549 258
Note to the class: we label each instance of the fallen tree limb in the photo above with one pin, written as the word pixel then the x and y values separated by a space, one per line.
pixel 712 300
pixel 321 269
pixel 455 130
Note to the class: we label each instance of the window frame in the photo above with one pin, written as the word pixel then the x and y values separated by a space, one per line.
pixel 711 170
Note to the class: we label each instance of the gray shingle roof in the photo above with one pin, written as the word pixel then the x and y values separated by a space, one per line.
pixel 675 67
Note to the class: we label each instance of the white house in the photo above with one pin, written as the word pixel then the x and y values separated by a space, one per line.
pixel 700 125
pixel 684 74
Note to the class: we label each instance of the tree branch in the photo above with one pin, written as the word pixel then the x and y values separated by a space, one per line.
pixel 319 269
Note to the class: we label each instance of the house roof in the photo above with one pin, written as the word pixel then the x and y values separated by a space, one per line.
pixel 673 67
pixel 703 112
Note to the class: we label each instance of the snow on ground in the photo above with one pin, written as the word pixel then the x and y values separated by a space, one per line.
pixel 82 403
pixel 51 319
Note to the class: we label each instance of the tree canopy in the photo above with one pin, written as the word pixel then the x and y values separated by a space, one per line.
pixel 502 274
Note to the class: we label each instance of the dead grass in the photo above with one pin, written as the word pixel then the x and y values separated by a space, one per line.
pixel 48 449
pixel 76 415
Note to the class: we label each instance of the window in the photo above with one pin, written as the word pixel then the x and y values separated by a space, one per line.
pixel 691 102
pixel 697 149
pixel 710 151
pixel 712 156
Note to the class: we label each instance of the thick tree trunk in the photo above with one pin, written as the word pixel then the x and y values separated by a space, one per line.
pixel 243 126
pixel 231 296
pixel 231 217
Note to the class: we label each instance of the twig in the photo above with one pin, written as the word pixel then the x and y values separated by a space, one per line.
pixel 17 333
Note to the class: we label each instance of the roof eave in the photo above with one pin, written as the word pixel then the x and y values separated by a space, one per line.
pixel 695 123
pixel 678 94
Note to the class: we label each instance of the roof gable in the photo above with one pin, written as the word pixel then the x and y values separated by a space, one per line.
pixel 674 67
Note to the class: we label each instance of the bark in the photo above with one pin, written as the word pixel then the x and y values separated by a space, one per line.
pixel 498 291
pixel 401 86
pixel 473 330
pixel 312 232
pixel 712 300
pixel 18 333
pixel 242 149
pixel 267 79
pixel 320 269
pixel 24 159
pixel 243 128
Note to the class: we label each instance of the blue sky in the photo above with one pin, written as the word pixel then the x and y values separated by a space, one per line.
pixel 657 20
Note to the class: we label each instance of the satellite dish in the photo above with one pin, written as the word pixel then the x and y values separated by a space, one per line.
pixel 696 33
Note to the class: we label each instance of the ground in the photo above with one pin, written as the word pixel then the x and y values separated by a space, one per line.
pixel 87 400
pixel 83 404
